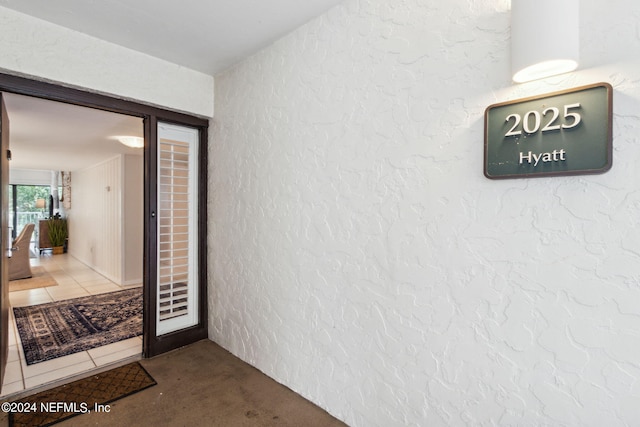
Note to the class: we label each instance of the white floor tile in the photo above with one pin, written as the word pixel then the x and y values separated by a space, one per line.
pixel 29 297
pixel 68 293
pixel 25 301
pixel 13 334
pixel 13 372
pixel 96 282
pixel 54 364
pixel 120 355
pixel 87 278
pixel 74 279
pixel 131 343
pixel 58 374
pixel 132 286
pixel 103 289
pixel 10 388
pixel 14 354
pixel 64 280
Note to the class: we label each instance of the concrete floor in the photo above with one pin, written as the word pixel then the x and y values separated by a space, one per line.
pixel 204 385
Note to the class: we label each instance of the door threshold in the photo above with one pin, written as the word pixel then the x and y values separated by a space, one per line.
pixel 71 378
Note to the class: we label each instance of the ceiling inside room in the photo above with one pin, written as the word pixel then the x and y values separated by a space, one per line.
pixel 49 135
pixel 204 35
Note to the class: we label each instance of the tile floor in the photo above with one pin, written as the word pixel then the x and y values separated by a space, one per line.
pixel 75 279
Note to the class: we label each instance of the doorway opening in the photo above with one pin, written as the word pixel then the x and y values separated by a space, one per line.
pixel 166 302
pixel 67 163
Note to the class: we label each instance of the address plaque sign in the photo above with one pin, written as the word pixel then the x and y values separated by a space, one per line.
pixel 561 133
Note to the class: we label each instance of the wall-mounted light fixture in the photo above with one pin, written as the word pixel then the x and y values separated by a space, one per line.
pixel 544 38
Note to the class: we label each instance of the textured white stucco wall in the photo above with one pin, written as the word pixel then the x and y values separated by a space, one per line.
pixel 38 49
pixel 359 256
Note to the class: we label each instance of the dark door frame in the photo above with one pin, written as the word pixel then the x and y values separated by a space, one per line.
pixel 5 156
pixel 152 344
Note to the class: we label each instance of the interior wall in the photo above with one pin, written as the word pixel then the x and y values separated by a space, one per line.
pixel 133 220
pixel 38 49
pixel 95 217
pixel 105 219
pixel 360 257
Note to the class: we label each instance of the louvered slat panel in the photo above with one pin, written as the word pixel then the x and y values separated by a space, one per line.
pixel 176 229
pixel 173 181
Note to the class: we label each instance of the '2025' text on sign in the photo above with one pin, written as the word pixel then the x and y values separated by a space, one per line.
pixel 561 133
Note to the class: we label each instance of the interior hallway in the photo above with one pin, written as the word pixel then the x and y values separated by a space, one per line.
pixel 203 384
pixel 75 279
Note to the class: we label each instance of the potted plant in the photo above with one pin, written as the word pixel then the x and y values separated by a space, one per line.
pixel 57 233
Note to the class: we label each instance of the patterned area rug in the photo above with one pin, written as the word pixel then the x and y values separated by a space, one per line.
pixel 65 327
pixel 82 396
pixel 40 279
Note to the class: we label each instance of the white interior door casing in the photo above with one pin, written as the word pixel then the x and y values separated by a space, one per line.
pixel 177 285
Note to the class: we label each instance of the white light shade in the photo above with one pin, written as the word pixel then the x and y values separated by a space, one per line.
pixel 131 141
pixel 544 38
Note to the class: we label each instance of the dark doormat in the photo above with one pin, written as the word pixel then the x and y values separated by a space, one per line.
pixel 86 395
